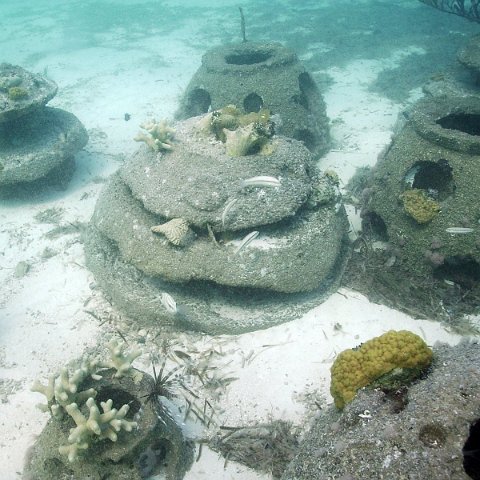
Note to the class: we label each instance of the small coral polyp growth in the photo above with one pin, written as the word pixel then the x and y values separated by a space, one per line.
pixel 401 352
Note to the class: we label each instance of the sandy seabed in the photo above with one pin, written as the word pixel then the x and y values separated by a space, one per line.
pixel 53 313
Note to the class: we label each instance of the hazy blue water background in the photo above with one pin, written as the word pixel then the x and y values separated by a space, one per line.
pixel 330 32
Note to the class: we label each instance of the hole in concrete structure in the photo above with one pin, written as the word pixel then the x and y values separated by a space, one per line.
pixel 307 88
pixel 433 435
pixel 252 103
pixel 307 137
pixel 373 224
pixel 460 269
pixel 464 122
pixel 247 58
pixel 198 102
pixel 398 399
pixel 153 460
pixel 120 397
pixel 434 177
pixel 471 452
pixel 301 100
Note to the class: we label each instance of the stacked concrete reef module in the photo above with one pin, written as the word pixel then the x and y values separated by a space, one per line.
pixel 36 142
pixel 424 193
pixel 253 76
pixel 217 229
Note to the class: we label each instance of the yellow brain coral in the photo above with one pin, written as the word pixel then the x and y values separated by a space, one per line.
pixel 355 369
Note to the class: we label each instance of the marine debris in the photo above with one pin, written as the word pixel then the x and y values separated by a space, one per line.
pixel 459 230
pixel 246 241
pixel 169 303
pixel 228 206
pixel 242 25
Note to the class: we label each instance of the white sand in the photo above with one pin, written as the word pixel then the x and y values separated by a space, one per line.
pixel 280 372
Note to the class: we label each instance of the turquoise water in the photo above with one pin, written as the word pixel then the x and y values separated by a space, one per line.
pixel 117 63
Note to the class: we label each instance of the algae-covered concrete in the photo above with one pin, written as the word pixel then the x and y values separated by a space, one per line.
pixel 437 154
pixel 36 142
pixel 34 145
pixel 22 92
pixel 260 75
pixel 469 56
pixel 155 446
pixel 292 214
pixel 416 433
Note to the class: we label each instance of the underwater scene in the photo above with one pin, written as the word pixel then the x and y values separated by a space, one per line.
pixel 240 240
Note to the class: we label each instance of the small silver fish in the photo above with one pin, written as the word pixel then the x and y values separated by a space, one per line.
pixel 246 240
pixel 169 303
pixel 227 208
pixel 459 230
pixel 261 181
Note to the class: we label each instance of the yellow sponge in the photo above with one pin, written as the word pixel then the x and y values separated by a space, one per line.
pixel 357 368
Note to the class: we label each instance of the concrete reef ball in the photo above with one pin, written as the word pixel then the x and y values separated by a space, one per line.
pixel 271 77
pixel 37 143
pixel 423 193
pixel 427 430
pixel 211 241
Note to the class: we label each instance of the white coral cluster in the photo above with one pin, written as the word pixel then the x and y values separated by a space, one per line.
pixel 159 135
pixel 96 426
pixel 62 390
pixel 120 359
pixel 63 396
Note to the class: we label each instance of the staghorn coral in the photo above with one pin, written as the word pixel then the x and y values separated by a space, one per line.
pixel 97 426
pixel 419 205
pixel 63 389
pixel 401 352
pixel 64 396
pixel 120 360
pixel 468 9
pixel 176 231
pixel 159 135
